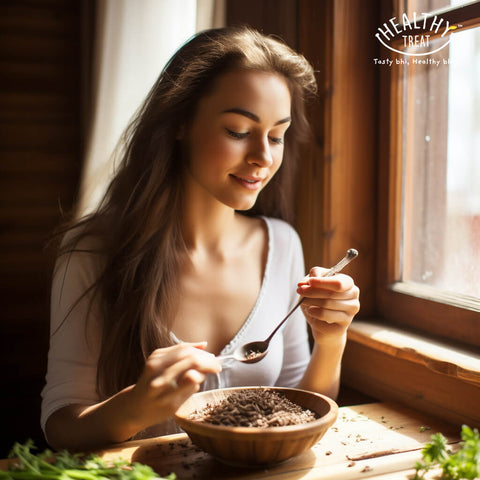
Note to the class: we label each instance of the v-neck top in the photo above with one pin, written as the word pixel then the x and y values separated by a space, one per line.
pixel 74 349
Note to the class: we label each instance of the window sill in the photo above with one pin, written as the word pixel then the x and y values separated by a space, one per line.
pixel 393 364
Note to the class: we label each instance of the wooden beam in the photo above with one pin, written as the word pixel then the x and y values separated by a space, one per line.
pixel 337 195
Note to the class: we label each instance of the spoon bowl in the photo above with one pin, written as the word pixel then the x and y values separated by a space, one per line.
pixel 251 352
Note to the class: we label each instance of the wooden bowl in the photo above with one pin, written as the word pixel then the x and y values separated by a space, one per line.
pixel 251 446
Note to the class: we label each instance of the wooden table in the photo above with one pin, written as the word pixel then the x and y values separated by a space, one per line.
pixel 375 440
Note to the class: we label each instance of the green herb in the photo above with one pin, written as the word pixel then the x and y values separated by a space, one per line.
pixel 67 466
pixel 461 465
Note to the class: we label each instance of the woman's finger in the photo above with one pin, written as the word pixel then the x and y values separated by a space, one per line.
pixel 338 282
pixel 162 359
pixel 171 375
pixel 193 377
pixel 178 348
pixel 313 292
pixel 321 314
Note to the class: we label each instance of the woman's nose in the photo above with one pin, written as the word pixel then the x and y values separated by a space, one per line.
pixel 260 154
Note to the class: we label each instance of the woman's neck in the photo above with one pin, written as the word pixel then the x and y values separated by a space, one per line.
pixel 209 231
pixel 210 227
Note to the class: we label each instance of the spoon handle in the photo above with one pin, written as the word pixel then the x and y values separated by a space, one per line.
pixel 224 357
pixel 351 254
pixel 285 319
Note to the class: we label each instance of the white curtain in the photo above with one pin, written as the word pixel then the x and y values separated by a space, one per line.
pixel 133 41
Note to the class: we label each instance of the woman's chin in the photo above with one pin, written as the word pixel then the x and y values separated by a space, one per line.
pixel 244 206
pixel 240 203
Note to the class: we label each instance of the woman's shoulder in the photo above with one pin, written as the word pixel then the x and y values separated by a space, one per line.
pixel 80 249
pixel 286 252
pixel 281 228
pixel 82 237
pixel 285 237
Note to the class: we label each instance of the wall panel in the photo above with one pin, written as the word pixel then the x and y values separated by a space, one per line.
pixel 40 144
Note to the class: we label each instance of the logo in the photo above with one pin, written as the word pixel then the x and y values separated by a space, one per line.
pixel 415 34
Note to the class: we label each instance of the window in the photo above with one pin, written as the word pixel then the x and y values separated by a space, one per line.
pixel 431 227
pixel 441 176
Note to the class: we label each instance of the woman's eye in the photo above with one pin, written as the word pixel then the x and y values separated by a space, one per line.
pixel 277 140
pixel 237 135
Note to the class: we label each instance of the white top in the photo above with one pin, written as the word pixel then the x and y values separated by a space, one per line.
pixel 74 349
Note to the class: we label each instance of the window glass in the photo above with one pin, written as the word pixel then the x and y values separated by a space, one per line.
pixel 441 175
pixel 428 6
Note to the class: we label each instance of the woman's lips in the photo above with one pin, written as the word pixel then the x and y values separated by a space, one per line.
pixel 250 183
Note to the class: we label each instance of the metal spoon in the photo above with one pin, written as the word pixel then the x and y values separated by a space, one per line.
pixel 253 352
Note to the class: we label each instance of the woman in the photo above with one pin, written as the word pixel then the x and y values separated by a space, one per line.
pixel 189 254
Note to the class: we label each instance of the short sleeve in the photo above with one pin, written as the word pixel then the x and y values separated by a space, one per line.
pixel 74 335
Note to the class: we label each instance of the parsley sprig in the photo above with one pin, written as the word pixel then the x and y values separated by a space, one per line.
pixel 464 464
pixel 67 466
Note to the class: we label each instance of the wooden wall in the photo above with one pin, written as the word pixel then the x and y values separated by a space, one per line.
pixel 40 142
pixel 270 16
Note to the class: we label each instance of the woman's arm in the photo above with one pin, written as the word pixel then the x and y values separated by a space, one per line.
pixel 170 376
pixel 322 374
pixel 329 307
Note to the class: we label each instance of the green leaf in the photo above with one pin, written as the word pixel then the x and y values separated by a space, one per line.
pixel 462 465
pixel 66 466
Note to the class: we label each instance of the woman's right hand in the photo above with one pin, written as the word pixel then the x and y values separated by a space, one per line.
pixel 170 376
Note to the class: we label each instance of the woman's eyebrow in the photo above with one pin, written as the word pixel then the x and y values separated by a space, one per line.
pixel 252 116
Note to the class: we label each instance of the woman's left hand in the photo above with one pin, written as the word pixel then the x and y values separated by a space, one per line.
pixel 330 303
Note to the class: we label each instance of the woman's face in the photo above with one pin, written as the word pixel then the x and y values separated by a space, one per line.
pixel 235 140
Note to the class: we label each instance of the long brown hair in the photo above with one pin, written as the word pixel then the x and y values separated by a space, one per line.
pixel 137 223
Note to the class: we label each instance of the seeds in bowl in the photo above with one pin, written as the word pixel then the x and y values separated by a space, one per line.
pixel 261 408
pixel 251 354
